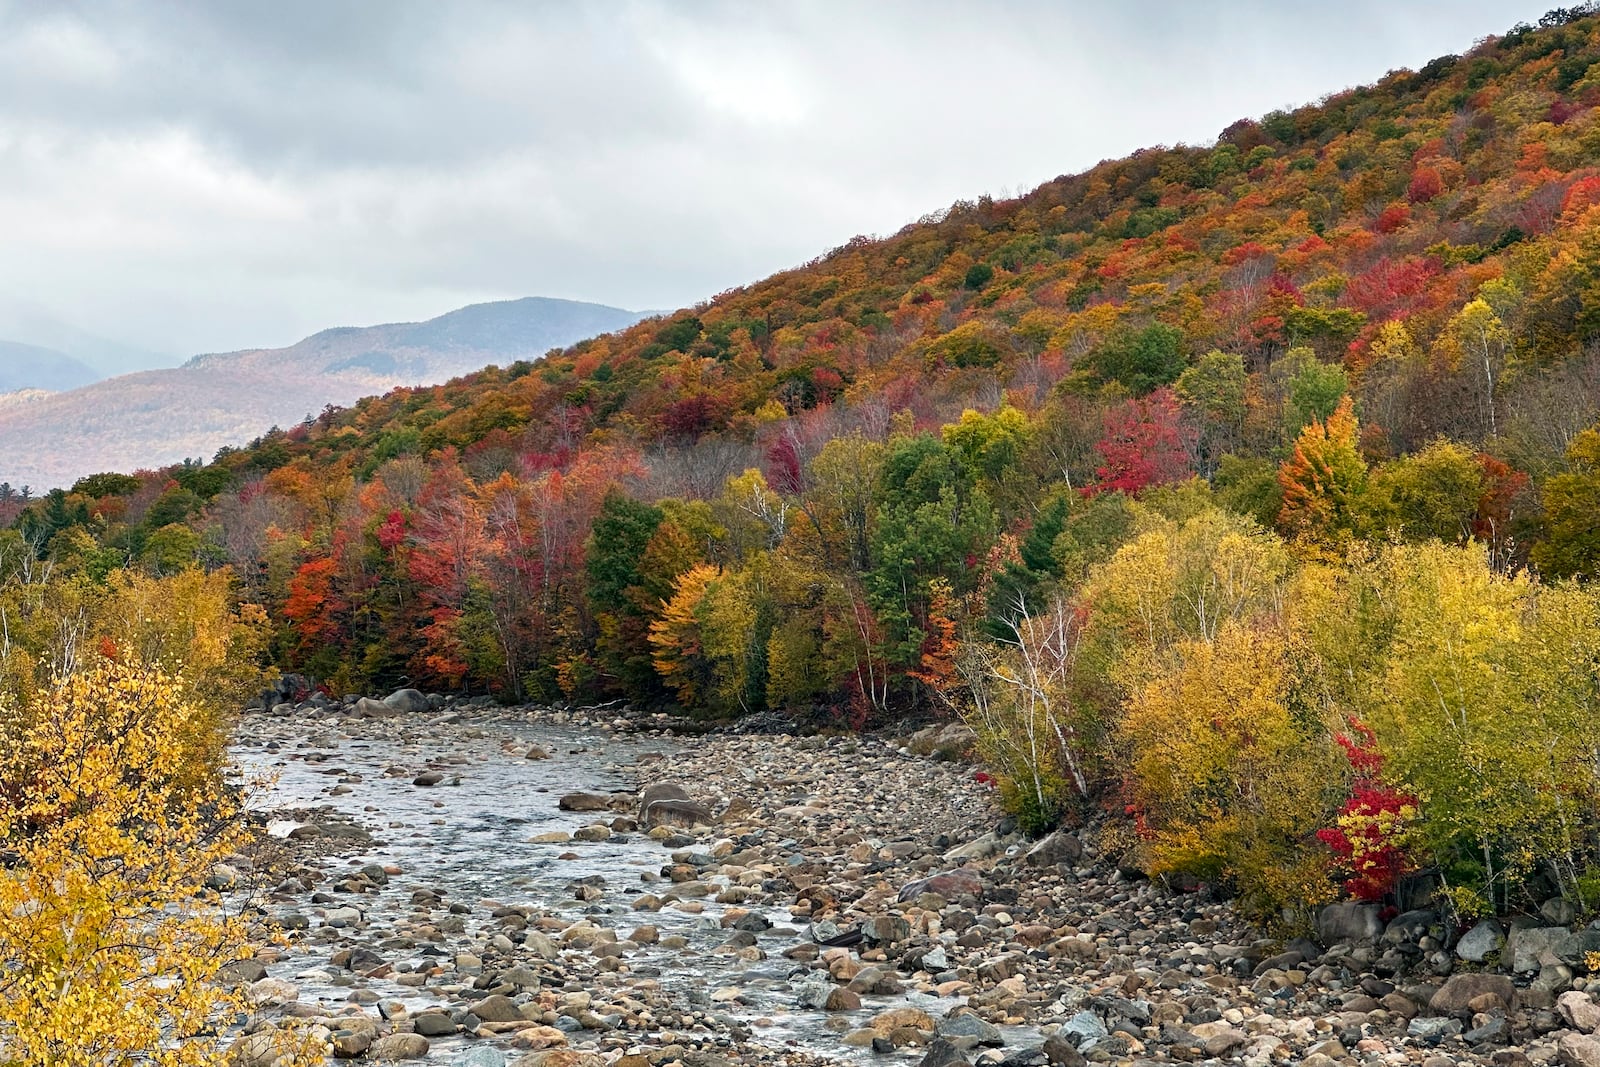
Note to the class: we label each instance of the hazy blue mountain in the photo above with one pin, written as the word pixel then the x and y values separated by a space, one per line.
pixel 32 367
pixel 157 417
pixel 27 323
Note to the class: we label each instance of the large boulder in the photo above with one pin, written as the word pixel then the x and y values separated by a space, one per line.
pixel 1350 920
pixel 670 803
pixel 1462 989
pixel 497 1008
pixel 399 1047
pixel 1578 1050
pixel 1054 849
pixel 1579 1010
pixel 1528 948
pixel 407 701
pixel 1477 943
pixel 950 884
pixel 943 741
pixel 367 708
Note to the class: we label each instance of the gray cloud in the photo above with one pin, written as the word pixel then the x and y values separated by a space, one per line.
pixel 190 177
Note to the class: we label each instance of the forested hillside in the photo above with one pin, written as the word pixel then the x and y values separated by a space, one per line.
pixel 1280 451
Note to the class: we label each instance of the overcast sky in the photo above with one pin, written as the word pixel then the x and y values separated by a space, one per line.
pixel 206 176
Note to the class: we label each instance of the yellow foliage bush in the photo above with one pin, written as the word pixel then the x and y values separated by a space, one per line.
pixel 109 938
pixel 1230 771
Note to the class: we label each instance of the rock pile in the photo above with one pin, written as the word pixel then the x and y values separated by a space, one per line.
pixel 863 891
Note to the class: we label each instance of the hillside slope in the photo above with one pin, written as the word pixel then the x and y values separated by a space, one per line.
pixel 155 418
pixel 1409 272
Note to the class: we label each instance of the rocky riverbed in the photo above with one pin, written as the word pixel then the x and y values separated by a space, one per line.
pixel 479 886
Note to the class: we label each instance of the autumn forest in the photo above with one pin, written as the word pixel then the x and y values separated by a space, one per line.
pixel 1250 493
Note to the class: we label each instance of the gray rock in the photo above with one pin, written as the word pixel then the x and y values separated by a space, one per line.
pixel 367 708
pixel 1528 947
pixel 1086 1027
pixel 433 1024
pixel 406 701
pixel 1410 927
pixel 942 1053
pixel 981 848
pixel 1348 921
pixel 812 991
pixel 667 803
pixel 1494 1032
pixel 967 1031
pixel 428 778
pixel 1054 849
pixel 1477 943
pixel 1558 911
pixel 1433 1028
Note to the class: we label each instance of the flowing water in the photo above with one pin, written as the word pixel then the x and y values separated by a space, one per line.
pixel 470 842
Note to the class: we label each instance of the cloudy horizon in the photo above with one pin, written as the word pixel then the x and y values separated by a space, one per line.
pixel 223 176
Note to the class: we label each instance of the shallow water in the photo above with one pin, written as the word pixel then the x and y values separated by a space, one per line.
pixel 470 841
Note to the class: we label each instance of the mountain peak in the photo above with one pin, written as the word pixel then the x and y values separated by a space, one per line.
pixel 158 417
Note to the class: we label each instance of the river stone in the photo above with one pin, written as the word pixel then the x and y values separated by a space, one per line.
pixel 243 972
pixel 272 993
pixel 349 1044
pixel 367 708
pixel 496 1009
pixel 1580 1011
pixel 967 1031
pixel 1484 938
pixel 1578 1050
pixel 813 991
pixel 593 832
pixel 949 884
pixel 1528 946
pixel 1433 1028
pixel 539 1037
pixel 942 1053
pixel 666 803
pixel 1060 1052
pixel 1054 849
pixel 841 999
pixel 264 1048
pixel 433 1024
pixel 981 848
pixel 896 1018
pixel 406 701
pixel 1348 921
pixel 399 1047
pixel 428 778
pixel 1087 1027
pixel 584 802
pixel 560 1057
pixel 1462 989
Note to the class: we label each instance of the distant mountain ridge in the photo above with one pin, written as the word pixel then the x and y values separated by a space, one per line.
pixel 158 417
pixel 24 366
